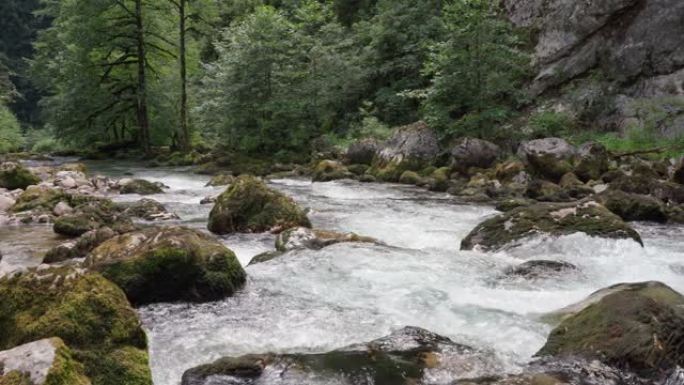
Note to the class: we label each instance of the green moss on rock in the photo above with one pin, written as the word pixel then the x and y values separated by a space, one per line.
pixel 410 177
pixel 248 205
pixel 553 219
pixel 637 326
pixel 141 187
pixel 633 207
pixel 327 170
pixel 39 198
pixel 168 264
pixel 14 176
pixel 89 313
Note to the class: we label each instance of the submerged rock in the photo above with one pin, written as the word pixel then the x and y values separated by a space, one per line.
pixel 411 147
pixel 14 175
pixel 305 238
pixel 89 313
pixel 248 205
pixel 140 186
pixel 168 264
pixel 407 356
pixel 638 326
pixel 44 362
pixel 552 219
pixel 540 269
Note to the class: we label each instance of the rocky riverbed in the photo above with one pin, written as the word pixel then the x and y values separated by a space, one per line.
pixel 317 304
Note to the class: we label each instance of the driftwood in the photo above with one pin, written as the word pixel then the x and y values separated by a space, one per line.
pixel 657 150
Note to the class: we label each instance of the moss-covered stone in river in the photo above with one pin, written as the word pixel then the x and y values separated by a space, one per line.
pixel 89 313
pixel 553 219
pixel 410 177
pixel 41 198
pixel 327 170
pixel 43 362
pixel 637 326
pixel 141 186
pixel 633 207
pixel 14 176
pixel 91 213
pixel 168 264
pixel 248 205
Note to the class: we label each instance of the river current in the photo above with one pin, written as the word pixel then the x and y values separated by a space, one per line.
pixel 316 301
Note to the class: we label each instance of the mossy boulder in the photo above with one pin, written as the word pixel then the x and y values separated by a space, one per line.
pixel 438 179
pixel 91 213
pixel 549 158
pixel 410 177
pixel 89 313
pixel 249 205
pixel 45 362
pixel 168 264
pixel 592 161
pixel 14 175
pixel 407 356
pixel 411 148
pixel 553 219
pixel 305 238
pixel 39 199
pixel 223 179
pixel 327 170
pixel 637 326
pixel 140 186
pixel 633 207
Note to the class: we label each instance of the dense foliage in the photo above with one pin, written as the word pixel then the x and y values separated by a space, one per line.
pixel 267 76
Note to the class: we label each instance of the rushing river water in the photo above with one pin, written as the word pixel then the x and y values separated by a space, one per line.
pixel 315 301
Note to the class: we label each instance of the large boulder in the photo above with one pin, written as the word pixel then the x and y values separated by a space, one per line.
pixel 248 205
pixel 407 356
pixel 39 199
pixel 88 312
pixel 411 147
pixel 592 161
pixel 633 207
pixel 549 157
pixel 44 362
pixel 361 151
pixel 554 219
pixel 168 264
pixel 472 152
pixel 327 170
pixel 14 176
pixel 638 326
pixel 140 186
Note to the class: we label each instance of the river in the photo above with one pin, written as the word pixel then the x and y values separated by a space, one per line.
pixel 315 301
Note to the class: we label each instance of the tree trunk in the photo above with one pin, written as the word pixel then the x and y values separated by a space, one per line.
pixel 141 108
pixel 185 132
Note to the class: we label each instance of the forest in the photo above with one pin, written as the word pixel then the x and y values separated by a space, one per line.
pixel 269 77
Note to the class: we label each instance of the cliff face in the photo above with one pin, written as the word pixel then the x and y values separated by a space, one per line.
pixel 626 55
